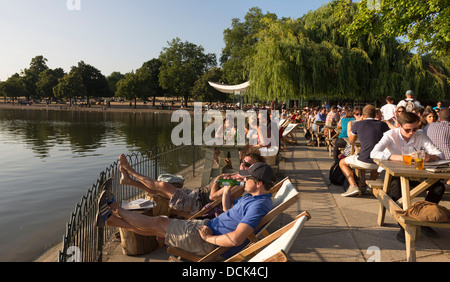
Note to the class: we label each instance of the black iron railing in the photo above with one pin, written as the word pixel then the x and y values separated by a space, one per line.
pixel 83 240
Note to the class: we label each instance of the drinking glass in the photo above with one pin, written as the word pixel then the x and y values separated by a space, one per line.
pixel 407 153
pixel 419 159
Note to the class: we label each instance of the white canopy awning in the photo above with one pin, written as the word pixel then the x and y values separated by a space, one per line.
pixel 230 88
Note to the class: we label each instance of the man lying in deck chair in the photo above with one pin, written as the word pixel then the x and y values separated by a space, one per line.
pixel 185 200
pixel 229 229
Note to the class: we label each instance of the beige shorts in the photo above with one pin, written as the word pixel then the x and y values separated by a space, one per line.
pixel 186 200
pixel 182 234
pixel 353 160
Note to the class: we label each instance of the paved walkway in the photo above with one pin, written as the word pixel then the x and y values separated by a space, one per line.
pixel 341 229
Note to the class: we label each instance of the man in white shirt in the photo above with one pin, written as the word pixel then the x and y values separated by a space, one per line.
pixel 388 110
pixel 390 148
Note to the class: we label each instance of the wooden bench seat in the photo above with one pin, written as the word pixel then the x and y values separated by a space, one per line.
pixel 375 184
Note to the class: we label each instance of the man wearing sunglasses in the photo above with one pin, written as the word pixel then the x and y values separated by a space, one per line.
pixel 229 229
pixel 390 148
pixel 184 199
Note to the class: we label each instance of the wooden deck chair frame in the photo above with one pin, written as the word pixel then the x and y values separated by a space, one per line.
pixel 282 128
pixel 288 198
pixel 277 244
pixel 288 135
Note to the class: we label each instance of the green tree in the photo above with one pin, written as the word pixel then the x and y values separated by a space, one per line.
pixel 202 91
pixel 130 87
pixel 94 81
pixel 148 75
pixel 424 24
pixel 239 45
pixel 182 64
pixel 310 58
pixel 31 75
pixel 113 79
pixel 70 86
pixel 14 87
pixel 47 80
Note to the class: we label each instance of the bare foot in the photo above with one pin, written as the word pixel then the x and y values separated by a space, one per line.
pixel 125 178
pixel 123 162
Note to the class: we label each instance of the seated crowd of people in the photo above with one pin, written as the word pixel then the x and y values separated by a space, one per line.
pixel 381 132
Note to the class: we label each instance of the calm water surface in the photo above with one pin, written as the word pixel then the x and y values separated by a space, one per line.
pixel 48 161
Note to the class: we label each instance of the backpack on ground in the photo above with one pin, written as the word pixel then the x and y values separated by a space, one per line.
pixel 336 176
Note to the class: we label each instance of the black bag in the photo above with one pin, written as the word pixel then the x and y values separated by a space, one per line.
pixel 336 176
pixel 307 135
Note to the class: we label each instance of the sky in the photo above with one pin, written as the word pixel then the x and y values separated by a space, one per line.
pixel 119 35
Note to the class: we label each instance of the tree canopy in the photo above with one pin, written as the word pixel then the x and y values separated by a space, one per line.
pixel 424 24
pixel 182 64
pixel 311 57
pixel 366 50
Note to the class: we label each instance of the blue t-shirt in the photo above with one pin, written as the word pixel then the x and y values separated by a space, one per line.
pixel 344 125
pixel 247 209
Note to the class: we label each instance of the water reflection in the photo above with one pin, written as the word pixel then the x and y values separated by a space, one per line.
pixel 81 131
pixel 49 159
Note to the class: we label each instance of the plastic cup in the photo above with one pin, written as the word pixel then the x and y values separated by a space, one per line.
pixel 407 153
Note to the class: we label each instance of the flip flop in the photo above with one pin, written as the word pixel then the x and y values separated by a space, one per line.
pixel 107 185
pixel 106 198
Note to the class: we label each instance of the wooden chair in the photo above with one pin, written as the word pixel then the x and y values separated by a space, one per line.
pixel 285 195
pixel 288 131
pixel 275 247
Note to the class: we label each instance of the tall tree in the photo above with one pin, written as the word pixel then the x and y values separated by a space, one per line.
pixel 14 87
pixel 202 91
pixel 113 79
pixel 148 75
pixel 129 87
pixel 31 75
pixel 424 24
pixel 47 80
pixel 310 58
pixel 239 40
pixel 182 63
pixel 70 86
pixel 94 81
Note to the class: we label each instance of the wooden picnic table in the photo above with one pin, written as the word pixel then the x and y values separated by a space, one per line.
pixel 318 133
pixel 332 135
pixel 406 172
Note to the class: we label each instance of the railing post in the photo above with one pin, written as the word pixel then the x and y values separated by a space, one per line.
pixel 155 149
pixel 193 160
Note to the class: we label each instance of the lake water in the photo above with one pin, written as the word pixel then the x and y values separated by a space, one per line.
pixel 48 161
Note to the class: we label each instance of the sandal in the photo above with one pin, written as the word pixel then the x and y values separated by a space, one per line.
pixel 107 185
pixel 106 198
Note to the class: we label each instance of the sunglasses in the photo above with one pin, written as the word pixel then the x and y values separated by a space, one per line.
pixel 356 114
pixel 246 164
pixel 251 178
pixel 410 129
